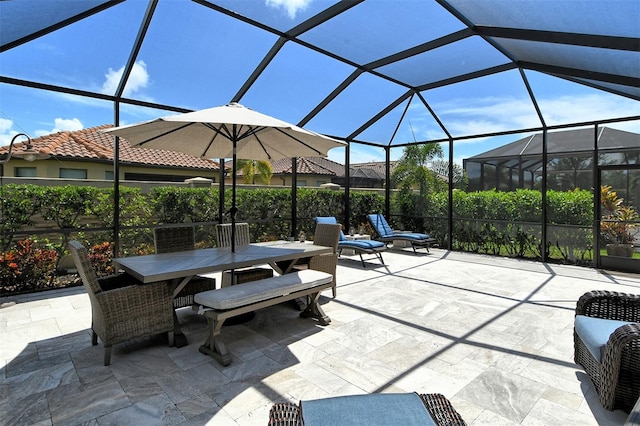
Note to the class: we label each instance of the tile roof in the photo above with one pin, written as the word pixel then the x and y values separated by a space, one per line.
pixel 378 166
pixel 309 166
pixel 91 143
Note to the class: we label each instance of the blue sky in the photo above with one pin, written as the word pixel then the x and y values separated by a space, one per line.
pixel 202 60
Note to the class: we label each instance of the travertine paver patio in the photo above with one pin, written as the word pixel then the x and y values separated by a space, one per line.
pixel 493 335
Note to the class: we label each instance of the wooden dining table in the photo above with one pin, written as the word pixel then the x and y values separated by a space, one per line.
pixel 180 267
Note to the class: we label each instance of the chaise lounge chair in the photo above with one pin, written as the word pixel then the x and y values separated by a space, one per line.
pixel 388 235
pixel 359 246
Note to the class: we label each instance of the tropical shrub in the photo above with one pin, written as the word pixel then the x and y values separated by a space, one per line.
pixel 27 268
pixel 501 223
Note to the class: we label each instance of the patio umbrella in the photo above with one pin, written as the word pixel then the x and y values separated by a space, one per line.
pixel 229 131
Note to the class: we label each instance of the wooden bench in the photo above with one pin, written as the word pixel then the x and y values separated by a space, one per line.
pixel 221 304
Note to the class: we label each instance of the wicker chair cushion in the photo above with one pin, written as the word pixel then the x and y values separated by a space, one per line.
pixel 595 333
pixel 255 291
pixel 376 409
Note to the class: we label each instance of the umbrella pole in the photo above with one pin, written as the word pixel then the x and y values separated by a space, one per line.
pixel 234 209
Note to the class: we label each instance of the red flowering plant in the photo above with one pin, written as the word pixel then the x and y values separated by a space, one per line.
pixel 27 268
pixel 101 258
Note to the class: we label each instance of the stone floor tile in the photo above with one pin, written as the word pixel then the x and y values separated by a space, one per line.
pixel 494 335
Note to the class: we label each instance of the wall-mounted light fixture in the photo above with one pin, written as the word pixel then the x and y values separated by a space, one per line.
pixel 27 153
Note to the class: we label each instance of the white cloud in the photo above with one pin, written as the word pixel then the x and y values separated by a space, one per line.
pixel 469 116
pixel 139 79
pixel 464 116
pixel 5 125
pixel 291 6
pixel 71 124
pixel 62 125
pixel 7 132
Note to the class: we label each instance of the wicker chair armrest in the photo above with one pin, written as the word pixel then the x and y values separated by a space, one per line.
pixel 284 414
pixel 144 297
pixel 609 305
pixel 621 360
pixel 625 336
pixel 441 410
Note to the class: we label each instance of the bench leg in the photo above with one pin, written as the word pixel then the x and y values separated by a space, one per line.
pixel 315 311
pixel 214 346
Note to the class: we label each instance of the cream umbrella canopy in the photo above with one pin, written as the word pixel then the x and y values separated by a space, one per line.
pixel 229 131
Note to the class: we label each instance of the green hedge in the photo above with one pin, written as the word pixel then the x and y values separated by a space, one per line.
pixel 39 221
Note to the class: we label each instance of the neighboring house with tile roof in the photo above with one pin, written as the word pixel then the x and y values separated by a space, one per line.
pixel 315 171
pixel 378 166
pixel 311 171
pixel 88 154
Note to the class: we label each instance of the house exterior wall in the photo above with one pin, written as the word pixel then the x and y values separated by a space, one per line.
pixel 97 170
pixel 308 180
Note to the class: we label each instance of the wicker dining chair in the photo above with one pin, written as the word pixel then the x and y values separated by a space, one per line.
pixel 326 235
pixel 439 408
pixel 615 367
pixel 243 237
pixel 168 239
pixel 122 308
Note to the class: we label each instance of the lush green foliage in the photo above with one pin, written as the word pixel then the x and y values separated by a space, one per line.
pixel 412 170
pixel 500 223
pixel 18 203
pixel 255 171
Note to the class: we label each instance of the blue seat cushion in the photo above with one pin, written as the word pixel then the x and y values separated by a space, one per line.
pixel 383 229
pixel 595 332
pixel 381 225
pixel 331 220
pixel 413 236
pixel 366 245
pixel 385 409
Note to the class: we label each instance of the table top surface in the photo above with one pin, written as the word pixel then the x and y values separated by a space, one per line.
pixel 167 266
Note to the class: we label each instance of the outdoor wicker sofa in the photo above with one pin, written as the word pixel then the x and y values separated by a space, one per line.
pixel 438 407
pixel 607 345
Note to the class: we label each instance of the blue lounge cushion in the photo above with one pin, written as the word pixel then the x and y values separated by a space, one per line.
pixel 381 225
pixel 595 332
pixel 384 230
pixel 414 236
pixel 386 409
pixel 365 245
